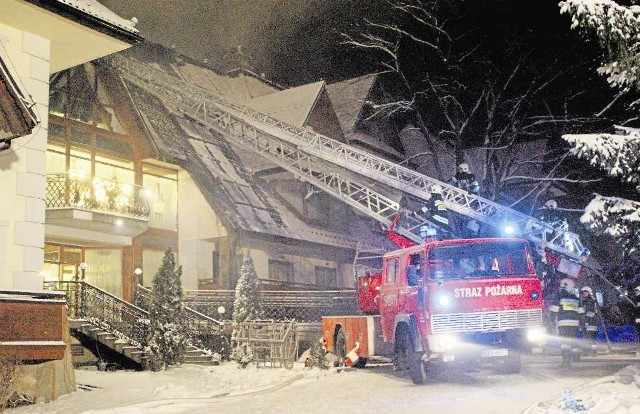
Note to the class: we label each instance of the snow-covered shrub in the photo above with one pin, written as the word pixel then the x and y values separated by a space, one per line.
pixel 242 354
pixel 246 307
pixel 318 355
pixel 167 330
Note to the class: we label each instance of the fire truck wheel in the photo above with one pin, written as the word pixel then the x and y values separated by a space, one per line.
pixel 417 370
pixel 340 348
pixel 510 365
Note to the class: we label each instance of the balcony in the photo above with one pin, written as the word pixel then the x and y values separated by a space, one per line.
pixel 94 208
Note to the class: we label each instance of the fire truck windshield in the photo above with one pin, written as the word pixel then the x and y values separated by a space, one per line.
pixel 482 259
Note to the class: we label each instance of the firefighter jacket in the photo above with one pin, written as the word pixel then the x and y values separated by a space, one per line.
pixel 567 308
pixel 436 210
pixel 466 181
pixel 590 317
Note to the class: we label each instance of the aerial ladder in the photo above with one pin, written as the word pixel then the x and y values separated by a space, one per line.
pixel 329 164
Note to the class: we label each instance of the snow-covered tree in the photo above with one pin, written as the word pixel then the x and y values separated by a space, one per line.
pixel 617 29
pixel 167 334
pixel 246 307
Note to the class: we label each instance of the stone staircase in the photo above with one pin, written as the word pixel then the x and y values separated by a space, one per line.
pixel 120 326
pixel 130 348
pixel 127 348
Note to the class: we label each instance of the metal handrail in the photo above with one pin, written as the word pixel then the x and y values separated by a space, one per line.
pixel 281 305
pixel 197 322
pixel 65 190
pixel 86 301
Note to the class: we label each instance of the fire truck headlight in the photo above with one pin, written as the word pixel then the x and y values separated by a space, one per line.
pixel 535 334
pixel 444 300
pixel 442 343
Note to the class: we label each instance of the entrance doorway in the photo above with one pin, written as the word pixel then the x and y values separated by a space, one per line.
pixel 62 263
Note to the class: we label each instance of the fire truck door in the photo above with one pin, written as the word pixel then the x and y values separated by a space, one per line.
pixel 411 274
pixel 389 295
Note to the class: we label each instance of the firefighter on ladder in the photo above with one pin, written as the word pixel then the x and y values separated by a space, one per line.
pixel 566 307
pixel 590 318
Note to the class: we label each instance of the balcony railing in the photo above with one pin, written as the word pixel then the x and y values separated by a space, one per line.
pixel 97 194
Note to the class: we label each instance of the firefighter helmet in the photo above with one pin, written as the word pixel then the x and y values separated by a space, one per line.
pixel 551 204
pixel 637 290
pixel 587 289
pixel 567 285
pixel 464 167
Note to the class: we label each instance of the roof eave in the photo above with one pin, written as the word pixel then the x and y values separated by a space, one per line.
pixel 92 22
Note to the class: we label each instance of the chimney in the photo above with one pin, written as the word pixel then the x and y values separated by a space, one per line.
pixel 237 61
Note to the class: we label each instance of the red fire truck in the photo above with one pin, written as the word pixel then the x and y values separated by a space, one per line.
pixel 441 304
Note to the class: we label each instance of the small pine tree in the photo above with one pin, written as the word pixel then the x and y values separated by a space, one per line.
pixel 246 306
pixel 167 334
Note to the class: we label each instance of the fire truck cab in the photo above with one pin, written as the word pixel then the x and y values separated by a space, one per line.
pixel 445 303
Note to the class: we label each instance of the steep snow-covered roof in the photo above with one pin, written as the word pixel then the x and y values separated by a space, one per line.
pixel 290 105
pixel 242 201
pixel 242 87
pixel 348 98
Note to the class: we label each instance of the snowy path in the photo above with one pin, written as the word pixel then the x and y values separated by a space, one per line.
pixel 376 389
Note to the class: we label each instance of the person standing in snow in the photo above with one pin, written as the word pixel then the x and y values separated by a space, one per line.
pixel 566 307
pixel 590 318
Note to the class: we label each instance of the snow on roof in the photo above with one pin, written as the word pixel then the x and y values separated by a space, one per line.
pixel 97 10
pixel 372 143
pixel 242 88
pixel 290 105
pixel 348 98
pixel 241 201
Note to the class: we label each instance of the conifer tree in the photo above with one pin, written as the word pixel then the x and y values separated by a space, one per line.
pixel 167 335
pixel 617 30
pixel 246 306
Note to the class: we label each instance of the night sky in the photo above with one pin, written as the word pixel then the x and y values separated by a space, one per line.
pixel 292 42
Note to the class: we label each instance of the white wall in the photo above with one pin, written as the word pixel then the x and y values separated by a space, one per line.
pixel 22 167
pixel 197 222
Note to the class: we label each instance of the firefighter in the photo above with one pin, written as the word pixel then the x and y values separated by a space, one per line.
pixel 465 179
pixel 590 318
pixel 435 209
pixel 566 307
pixel 550 214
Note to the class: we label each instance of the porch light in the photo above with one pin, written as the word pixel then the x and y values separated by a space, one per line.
pixel 138 273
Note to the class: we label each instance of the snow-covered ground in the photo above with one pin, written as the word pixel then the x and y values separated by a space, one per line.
pixel 228 389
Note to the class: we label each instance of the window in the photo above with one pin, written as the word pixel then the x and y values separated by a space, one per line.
pixel 480 260
pixel 392 270
pixel 281 271
pixel 326 276
pixel 415 269
pixel 162 185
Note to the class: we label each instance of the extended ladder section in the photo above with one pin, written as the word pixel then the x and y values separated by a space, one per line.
pixel 314 157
